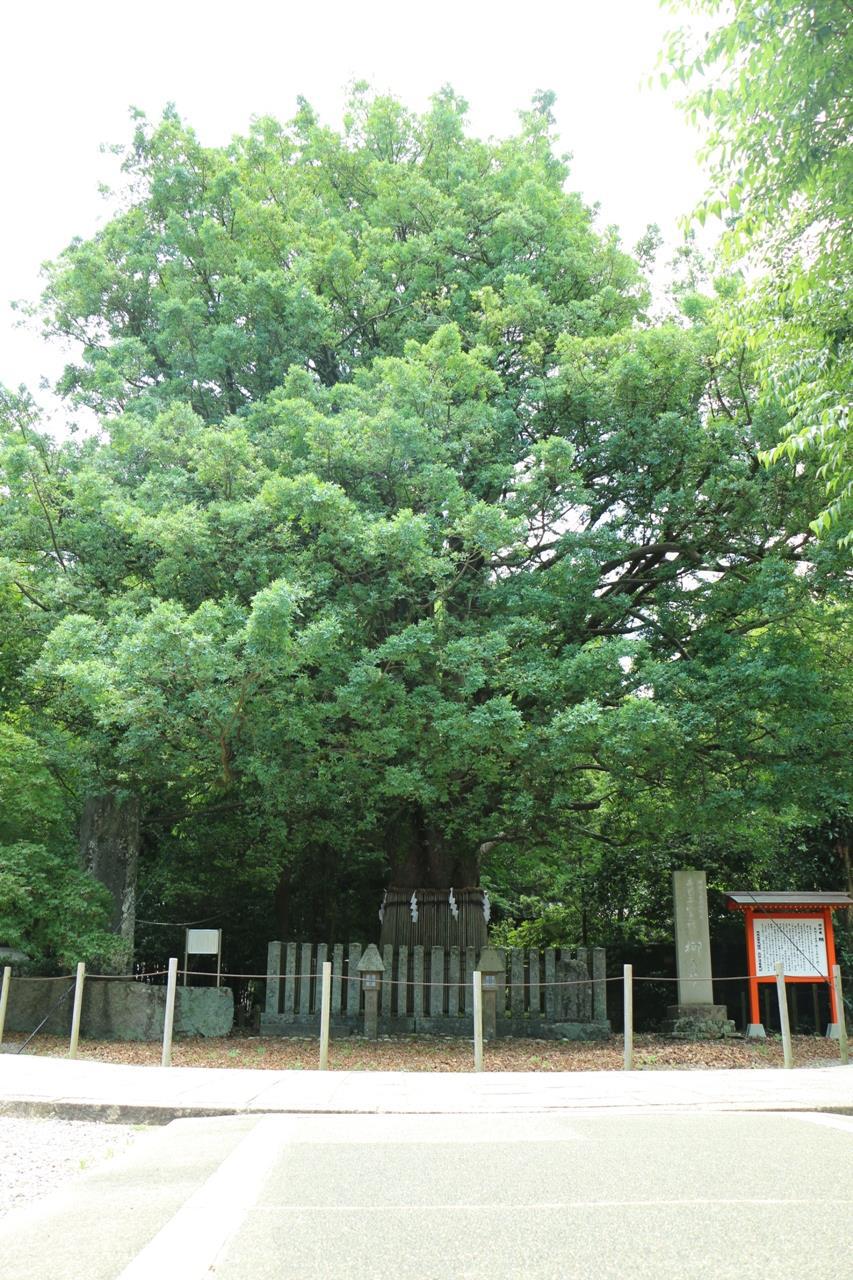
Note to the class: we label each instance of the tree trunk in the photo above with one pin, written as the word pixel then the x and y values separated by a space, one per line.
pixel 109 849
pixel 421 858
pixel 845 918
pixel 433 898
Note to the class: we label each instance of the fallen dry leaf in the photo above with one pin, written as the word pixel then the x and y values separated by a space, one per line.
pixel 410 1053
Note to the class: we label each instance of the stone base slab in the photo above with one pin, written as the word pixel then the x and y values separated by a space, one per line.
pixel 278 1024
pixel 699 1022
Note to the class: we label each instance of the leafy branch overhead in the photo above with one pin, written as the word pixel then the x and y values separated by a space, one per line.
pixel 770 83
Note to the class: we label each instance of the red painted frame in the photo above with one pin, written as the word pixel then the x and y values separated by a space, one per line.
pixel 785 912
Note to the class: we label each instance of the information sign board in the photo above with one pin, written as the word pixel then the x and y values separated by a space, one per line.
pixel 800 944
pixel 203 942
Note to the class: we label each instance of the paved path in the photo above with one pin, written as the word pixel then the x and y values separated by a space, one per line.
pixel 421 1176
pixel 536 1196
pixel 92 1090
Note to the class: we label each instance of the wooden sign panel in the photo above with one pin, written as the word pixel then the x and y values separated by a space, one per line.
pixel 203 942
pixel 799 943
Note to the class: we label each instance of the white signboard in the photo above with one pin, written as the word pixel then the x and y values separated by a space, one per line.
pixel 799 944
pixel 203 942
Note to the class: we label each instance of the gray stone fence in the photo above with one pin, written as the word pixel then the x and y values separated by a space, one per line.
pixel 118 1009
pixel 559 993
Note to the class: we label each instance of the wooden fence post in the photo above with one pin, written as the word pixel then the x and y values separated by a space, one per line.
pixel 628 981
pixel 169 1017
pixel 478 1020
pixel 78 1009
pixel 325 1009
pixel 4 997
pixel 784 1023
pixel 839 1004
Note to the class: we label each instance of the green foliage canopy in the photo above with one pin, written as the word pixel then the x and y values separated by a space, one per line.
pixel 408 546
pixel 772 80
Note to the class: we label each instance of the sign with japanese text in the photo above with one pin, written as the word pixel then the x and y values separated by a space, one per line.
pixel 800 944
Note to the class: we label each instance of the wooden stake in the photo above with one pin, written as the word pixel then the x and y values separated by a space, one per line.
pixel 169 1018
pixel 325 1011
pixel 628 980
pixel 78 1009
pixel 478 1020
pixel 784 1023
pixel 4 997
pixel 839 1004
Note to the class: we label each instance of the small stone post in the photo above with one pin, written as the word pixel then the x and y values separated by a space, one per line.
pixel 4 997
pixel 371 966
pixel 784 1021
pixel 491 965
pixel 78 1009
pixel 169 1017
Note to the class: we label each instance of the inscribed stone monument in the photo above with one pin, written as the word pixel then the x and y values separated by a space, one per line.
pixel 695 1014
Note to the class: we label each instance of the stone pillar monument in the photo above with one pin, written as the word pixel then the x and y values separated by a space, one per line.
pixel 695 1015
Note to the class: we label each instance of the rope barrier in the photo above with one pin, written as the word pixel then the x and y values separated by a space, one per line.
pixel 296 982
pixel 338 976
pixel 358 977
pixel 105 977
pixel 178 924
pixel 55 977
pixel 294 976
pixel 51 1010
pixel 391 982
pixel 128 977
pixel 661 978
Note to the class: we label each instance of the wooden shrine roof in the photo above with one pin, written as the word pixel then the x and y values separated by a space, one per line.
pixel 793 901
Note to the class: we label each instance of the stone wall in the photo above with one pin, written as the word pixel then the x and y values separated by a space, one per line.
pixel 119 1010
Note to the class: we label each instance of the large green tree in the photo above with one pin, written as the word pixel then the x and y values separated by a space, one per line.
pixel 771 81
pixel 407 548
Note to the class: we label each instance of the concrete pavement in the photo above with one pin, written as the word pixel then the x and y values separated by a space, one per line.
pixel 558 1195
pixel 31 1085
pixel 421 1176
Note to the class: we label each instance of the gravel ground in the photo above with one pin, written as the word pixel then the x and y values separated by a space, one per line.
pixel 41 1155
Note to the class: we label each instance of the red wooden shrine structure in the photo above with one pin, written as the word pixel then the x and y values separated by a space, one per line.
pixel 796 929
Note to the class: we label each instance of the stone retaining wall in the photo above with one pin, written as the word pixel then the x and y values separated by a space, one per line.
pixel 119 1010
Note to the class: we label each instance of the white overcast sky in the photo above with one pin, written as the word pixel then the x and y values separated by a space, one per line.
pixel 72 70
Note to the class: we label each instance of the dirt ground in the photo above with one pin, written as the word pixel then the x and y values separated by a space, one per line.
pixel 651 1052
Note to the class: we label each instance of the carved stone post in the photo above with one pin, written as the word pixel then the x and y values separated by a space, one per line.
pixel 371 966
pixel 493 968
